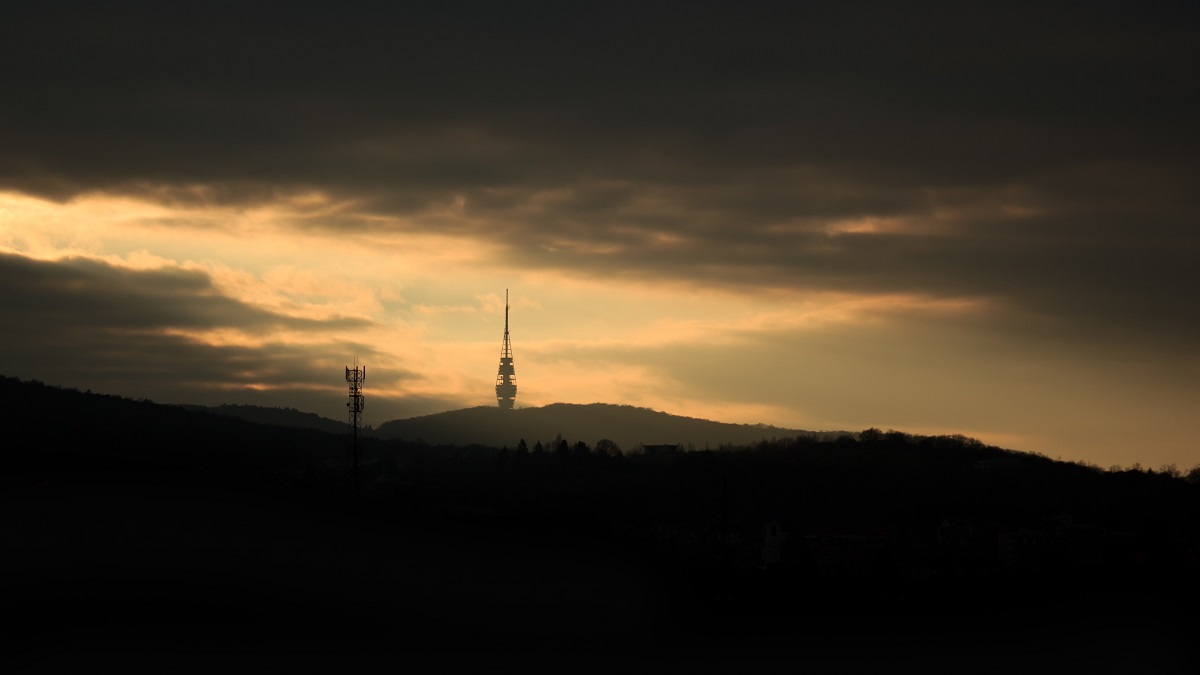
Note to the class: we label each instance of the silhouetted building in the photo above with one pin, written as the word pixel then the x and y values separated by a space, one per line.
pixel 774 538
pixel 955 533
pixel 1060 544
pixel 998 463
pixel 836 552
pixel 506 378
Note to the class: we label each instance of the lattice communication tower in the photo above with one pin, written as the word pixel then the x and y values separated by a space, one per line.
pixel 354 378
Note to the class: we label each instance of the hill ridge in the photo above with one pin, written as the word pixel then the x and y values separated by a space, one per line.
pixel 273 415
pixel 627 425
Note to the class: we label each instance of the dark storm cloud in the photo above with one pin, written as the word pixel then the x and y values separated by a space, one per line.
pixel 1043 155
pixel 83 322
pixel 260 93
pixel 91 295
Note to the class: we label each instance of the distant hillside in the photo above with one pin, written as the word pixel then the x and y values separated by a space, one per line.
pixel 281 417
pixel 64 429
pixel 628 426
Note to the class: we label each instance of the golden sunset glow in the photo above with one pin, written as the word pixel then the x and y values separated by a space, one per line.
pixel 425 309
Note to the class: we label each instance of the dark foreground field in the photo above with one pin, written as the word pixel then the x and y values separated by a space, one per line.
pixel 141 538
pixel 142 572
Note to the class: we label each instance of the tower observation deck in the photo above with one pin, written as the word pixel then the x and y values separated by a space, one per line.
pixel 506 378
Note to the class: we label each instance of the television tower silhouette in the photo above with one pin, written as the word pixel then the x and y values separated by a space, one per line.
pixel 355 377
pixel 506 378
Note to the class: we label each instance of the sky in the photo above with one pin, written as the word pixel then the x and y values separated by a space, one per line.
pixel 938 218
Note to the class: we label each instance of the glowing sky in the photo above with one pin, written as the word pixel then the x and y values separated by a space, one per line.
pixel 931 218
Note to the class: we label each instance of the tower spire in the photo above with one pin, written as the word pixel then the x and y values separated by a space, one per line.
pixel 506 378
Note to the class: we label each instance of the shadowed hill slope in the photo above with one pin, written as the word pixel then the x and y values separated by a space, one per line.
pixel 282 417
pixel 628 426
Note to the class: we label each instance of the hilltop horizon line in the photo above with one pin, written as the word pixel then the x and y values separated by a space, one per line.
pixel 629 425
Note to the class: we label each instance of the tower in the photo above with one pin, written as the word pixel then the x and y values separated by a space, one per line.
pixel 354 378
pixel 506 379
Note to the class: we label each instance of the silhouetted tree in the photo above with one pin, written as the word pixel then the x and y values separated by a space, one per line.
pixel 581 449
pixel 607 447
pixel 1193 475
pixel 522 447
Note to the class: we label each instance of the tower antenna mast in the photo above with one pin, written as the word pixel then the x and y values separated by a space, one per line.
pixel 354 378
pixel 506 378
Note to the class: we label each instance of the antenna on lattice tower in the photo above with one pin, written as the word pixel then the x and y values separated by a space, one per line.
pixel 354 378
